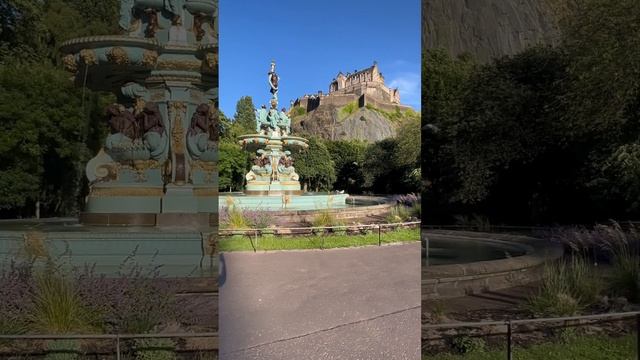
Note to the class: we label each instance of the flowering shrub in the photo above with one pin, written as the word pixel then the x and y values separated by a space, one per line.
pixel 52 301
pixel 233 217
pixel 258 219
pixel 407 200
pixel 135 301
pixel 410 201
pixel 16 286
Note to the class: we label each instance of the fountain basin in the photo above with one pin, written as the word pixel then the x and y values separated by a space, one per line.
pixel 182 252
pixel 307 201
pixel 102 56
pixel 254 142
pixel 201 6
pixel 465 263
pixel 353 209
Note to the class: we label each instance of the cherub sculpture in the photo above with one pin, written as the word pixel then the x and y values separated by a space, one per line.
pixel 201 131
pixel 152 130
pixel 123 126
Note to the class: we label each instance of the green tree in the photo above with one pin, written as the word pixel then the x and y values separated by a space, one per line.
pixel 42 139
pixel 348 157
pixel 379 167
pixel 315 166
pixel 33 30
pixel 507 119
pixel 245 117
pixel 602 38
pixel 444 85
pixel 232 166
pixel 23 34
pixel 408 155
pixel 506 146
pixel 39 101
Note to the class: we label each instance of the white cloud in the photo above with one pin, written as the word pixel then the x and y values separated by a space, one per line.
pixel 410 90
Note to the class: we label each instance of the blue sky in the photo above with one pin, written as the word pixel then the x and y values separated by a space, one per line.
pixel 311 42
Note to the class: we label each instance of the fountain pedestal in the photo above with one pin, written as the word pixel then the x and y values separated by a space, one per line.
pixel 160 156
pixel 273 173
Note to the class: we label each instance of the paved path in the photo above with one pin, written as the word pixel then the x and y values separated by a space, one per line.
pixel 359 303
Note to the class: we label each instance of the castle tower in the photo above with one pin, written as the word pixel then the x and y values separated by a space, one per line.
pixel 339 83
pixel 376 74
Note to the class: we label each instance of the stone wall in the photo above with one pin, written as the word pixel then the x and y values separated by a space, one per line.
pixel 182 253
pixel 338 100
pixel 446 281
pixel 365 100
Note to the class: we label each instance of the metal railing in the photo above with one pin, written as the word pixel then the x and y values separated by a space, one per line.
pixel 253 234
pixel 116 337
pixel 511 323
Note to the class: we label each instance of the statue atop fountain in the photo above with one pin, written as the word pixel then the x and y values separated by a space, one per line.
pixel 273 172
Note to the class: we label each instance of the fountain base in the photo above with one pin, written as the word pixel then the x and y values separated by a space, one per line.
pixel 294 202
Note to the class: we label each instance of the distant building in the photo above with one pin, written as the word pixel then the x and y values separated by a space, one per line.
pixel 366 86
pixel 368 81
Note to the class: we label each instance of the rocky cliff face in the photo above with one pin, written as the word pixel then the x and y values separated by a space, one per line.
pixel 331 123
pixel 487 28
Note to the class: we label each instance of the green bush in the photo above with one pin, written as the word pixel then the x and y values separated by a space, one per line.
pixel 348 109
pixel 584 282
pixel 620 247
pixel 465 344
pixel 398 214
pixel 298 111
pixel 553 304
pixel 339 231
pixel 57 307
pixel 624 249
pixel 416 210
pixel 626 276
pixel 567 287
pixel 236 219
pixel 325 218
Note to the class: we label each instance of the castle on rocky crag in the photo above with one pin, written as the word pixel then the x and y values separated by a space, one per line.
pixel 366 87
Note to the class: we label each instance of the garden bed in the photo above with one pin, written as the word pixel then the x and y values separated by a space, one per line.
pixel 599 275
pixel 247 242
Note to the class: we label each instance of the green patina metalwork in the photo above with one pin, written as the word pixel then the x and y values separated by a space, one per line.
pixel 161 152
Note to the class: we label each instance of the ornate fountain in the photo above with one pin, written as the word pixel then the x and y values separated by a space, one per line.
pixel 158 163
pixel 272 182
pixel 273 172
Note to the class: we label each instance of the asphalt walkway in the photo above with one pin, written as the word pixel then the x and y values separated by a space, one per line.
pixel 357 303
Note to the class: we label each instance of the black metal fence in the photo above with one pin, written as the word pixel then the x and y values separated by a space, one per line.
pixel 253 235
pixel 116 338
pixel 569 321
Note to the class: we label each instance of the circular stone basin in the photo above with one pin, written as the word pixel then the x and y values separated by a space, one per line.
pixel 309 201
pixel 183 252
pixel 201 6
pixel 462 263
pixel 457 251
pixel 304 208
pixel 254 142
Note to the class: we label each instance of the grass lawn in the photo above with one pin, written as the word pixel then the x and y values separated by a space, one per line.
pixel 581 348
pixel 243 243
